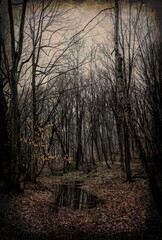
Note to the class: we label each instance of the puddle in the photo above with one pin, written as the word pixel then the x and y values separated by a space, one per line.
pixel 71 195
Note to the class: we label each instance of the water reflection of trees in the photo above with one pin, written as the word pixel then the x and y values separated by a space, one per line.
pixel 73 196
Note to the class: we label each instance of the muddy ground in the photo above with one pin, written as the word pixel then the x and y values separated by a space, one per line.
pixel 126 211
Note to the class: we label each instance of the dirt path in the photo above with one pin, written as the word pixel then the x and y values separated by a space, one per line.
pixel 128 211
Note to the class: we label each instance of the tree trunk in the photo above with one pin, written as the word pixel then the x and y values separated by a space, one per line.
pixel 15 138
pixel 5 145
pixel 119 125
pixel 116 47
pixel 79 143
pixel 127 154
pixel 33 162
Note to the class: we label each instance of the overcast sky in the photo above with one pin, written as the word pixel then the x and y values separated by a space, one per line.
pixel 155 4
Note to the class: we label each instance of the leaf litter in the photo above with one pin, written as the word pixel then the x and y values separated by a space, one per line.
pixel 127 211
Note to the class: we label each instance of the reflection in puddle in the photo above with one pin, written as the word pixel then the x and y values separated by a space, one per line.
pixel 73 196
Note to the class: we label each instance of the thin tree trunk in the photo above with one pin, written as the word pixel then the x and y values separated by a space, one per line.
pixel 116 47
pixel 5 145
pixel 127 154
pixel 15 138
pixel 33 163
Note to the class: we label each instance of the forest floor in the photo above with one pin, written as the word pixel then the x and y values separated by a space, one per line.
pixel 127 210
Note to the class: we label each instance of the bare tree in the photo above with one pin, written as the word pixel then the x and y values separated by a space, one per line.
pixel 133 129
pixel 10 72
